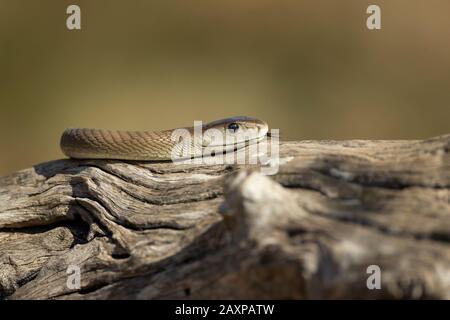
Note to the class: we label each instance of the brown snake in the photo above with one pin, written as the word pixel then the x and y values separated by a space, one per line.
pixel 160 145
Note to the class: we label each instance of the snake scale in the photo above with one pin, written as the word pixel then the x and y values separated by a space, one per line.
pixel 158 145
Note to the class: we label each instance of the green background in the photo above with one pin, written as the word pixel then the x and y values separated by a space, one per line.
pixel 310 68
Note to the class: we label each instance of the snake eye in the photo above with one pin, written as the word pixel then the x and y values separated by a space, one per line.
pixel 233 127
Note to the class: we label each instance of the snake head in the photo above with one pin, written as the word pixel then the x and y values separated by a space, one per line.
pixel 235 131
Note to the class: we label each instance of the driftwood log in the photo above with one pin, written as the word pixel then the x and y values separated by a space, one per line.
pixel 160 231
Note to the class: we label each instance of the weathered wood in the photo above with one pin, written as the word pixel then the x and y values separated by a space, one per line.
pixel 158 230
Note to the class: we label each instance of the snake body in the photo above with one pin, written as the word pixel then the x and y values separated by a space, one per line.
pixel 156 145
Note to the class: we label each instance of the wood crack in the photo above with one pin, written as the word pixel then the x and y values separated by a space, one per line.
pixel 149 230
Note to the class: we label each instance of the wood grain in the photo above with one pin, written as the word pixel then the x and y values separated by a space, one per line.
pixel 141 230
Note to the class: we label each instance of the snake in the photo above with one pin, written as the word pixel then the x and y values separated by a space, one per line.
pixel 84 143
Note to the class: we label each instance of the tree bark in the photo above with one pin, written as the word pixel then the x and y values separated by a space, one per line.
pixel 142 230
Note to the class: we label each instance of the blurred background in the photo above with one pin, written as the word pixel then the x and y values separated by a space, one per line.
pixel 310 68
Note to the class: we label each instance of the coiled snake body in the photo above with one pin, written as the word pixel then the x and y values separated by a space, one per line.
pixel 159 145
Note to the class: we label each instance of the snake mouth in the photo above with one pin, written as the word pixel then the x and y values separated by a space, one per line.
pixel 216 139
pixel 235 145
